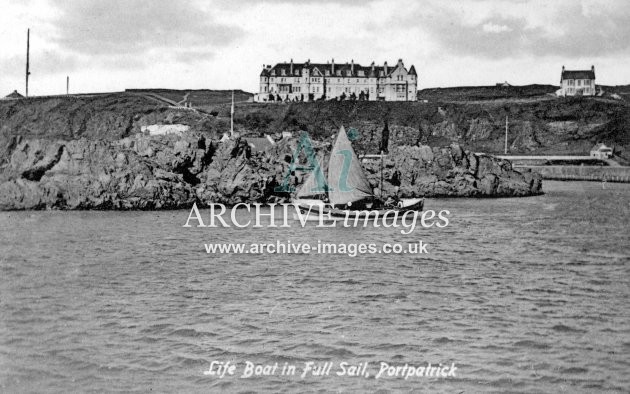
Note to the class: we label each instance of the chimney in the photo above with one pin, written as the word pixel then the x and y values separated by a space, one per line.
pixel 333 65
pixel 400 63
pixel 352 67
pixel 562 68
pixel 593 68
pixel 291 67
pixel 385 68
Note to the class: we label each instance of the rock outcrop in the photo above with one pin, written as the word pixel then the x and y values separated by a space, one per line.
pixel 411 171
pixel 170 171
pixel 92 154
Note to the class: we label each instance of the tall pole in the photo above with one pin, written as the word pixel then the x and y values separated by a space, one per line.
pixel 28 49
pixel 382 153
pixel 232 116
pixel 506 134
pixel 67 85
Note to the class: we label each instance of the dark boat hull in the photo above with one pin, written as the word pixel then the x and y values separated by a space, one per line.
pixel 318 210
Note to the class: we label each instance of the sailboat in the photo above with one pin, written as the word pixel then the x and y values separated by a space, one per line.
pixel 348 190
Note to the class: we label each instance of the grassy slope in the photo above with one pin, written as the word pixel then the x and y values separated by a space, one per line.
pixel 471 116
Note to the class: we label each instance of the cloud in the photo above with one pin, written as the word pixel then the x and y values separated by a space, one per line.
pixel 41 63
pixel 492 38
pixel 352 3
pixel 497 30
pixel 586 33
pixel 494 28
pixel 193 56
pixel 133 28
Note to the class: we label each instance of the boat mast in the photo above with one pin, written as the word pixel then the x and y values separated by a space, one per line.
pixel 28 49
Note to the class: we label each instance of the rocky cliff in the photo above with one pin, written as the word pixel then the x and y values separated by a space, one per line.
pixel 536 125
pixel 96 153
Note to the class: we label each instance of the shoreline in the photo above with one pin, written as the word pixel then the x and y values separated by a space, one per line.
pixel 581 173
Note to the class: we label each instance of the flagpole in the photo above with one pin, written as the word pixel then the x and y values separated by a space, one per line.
pixel 232 116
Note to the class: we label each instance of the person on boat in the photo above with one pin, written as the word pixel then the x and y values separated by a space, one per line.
pixel 361 204
pixel 393 199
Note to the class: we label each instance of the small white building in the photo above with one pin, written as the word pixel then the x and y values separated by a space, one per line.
pixel 577 82
pixel 601 151
pixel 13 96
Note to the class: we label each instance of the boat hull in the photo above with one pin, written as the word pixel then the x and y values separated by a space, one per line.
pixel 317 210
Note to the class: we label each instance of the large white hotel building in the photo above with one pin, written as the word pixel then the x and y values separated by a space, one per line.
pixel 312 81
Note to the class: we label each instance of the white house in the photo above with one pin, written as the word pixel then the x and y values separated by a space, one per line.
pixel 312 81
pixel 601 151
pixel 577 82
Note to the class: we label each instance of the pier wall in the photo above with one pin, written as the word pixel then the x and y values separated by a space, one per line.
pixel 581 173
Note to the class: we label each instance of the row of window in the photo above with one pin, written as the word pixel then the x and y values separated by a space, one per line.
pixel 330 80
pixel 572 82
pixel 400 89
pixel 577 90
pixel 360 73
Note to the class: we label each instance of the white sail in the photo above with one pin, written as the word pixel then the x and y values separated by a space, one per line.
pixel 346 178
pixel 311 187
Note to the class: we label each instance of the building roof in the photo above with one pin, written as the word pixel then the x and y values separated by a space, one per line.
pixel 332 69
pixel 578 74
pixel 14 95
pixel 259 144
pixel 412 70
pixel 599 147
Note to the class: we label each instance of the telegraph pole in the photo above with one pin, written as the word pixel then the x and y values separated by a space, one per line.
pixel 67 85
pixel 506 134
pixel 232 116
pixel 28 49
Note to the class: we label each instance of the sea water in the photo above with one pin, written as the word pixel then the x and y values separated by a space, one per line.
pixel 518 294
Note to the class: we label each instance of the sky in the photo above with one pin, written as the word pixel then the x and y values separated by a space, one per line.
pixel 111 45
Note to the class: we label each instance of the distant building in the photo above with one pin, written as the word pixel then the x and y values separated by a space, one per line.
pixel 13 96
pixel 503 84
pixel 314 81
pixel 260 144
pixel 601 151
pixel 577 82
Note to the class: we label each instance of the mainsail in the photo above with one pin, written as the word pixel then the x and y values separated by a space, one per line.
pixel 346 178
pixel 313 185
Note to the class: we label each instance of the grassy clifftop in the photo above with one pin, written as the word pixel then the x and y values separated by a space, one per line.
pixel 536 124
pixel 474 117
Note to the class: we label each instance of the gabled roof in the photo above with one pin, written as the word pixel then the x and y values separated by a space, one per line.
pixel 326 69
pixel 14 95
pixel 412 70
pixel 599 147
pixel 578 74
